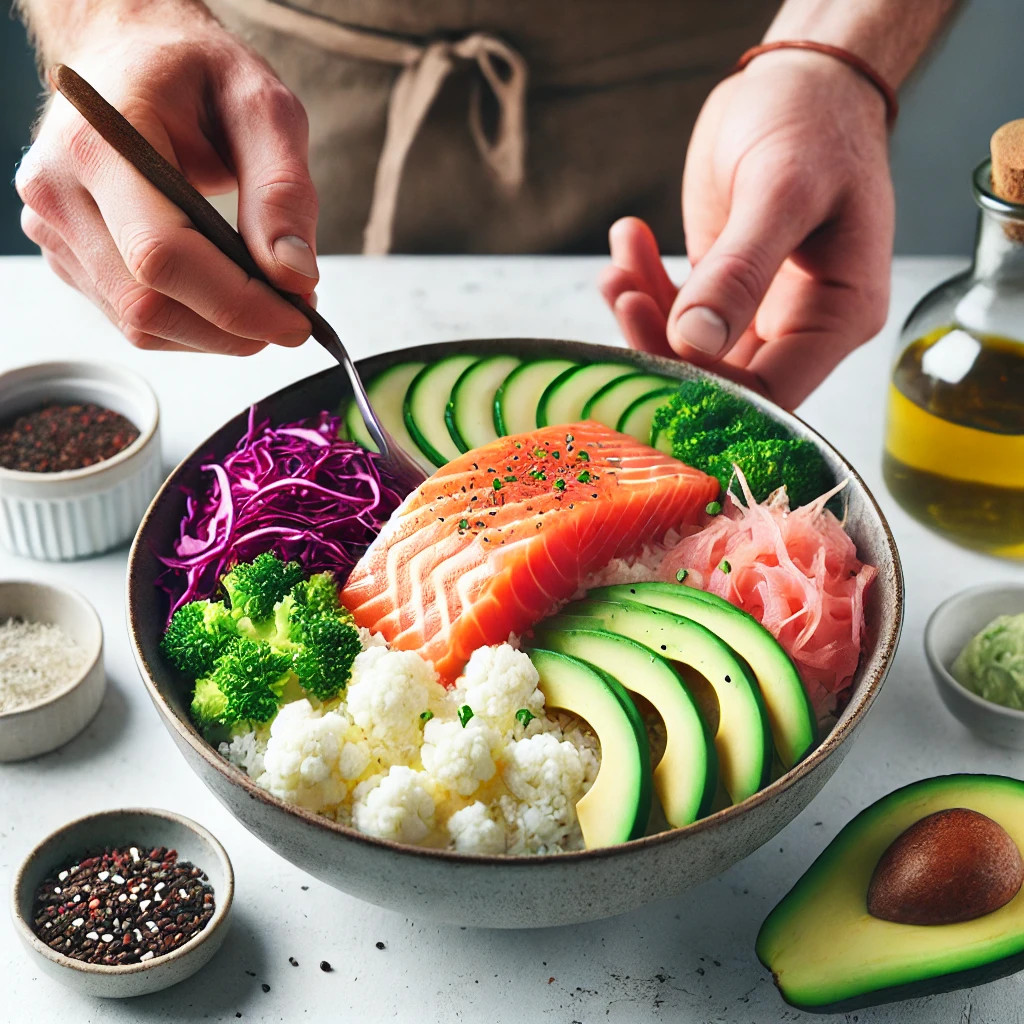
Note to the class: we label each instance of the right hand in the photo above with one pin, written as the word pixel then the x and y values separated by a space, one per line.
pixel 217 111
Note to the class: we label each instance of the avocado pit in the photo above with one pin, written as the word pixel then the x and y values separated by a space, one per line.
pixel 953 865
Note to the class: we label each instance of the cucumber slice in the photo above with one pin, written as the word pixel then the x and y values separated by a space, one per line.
pixel 610 402
pixel 792 718
pixel 470 412
pixel 638 419
pixel 565 396
pixel 516 402
pixel 743 739
pixel 687 774
pixel 617 806
pixel 425 405
pixel 387 396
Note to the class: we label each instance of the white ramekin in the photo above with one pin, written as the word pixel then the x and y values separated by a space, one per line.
pixel 80 512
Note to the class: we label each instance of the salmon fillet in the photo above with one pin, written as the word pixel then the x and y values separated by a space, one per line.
pixel 498 538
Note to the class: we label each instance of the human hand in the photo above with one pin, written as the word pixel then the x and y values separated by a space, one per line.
pixel 217 111
pixel 788 212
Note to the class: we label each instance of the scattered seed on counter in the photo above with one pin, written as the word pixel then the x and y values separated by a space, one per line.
pixel 111 930
pixel 380 945
pixel 265 987
pixel 293 961
pixel 325 967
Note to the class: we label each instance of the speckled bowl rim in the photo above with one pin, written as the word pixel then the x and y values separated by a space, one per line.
pixel 76 681
pixel 939 670
pixel 220 913
pixel 850 718
pixel 146 434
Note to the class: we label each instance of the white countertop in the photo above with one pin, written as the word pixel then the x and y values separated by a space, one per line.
pixel 689 959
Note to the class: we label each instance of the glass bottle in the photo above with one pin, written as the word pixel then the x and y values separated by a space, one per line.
pixel 954 450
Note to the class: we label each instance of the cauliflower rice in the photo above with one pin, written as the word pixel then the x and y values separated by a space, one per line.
pixel 399 757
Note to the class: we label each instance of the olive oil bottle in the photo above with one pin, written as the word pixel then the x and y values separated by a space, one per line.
pixel 954 451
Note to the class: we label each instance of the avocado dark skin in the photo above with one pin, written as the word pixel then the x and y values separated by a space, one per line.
pixel 823 945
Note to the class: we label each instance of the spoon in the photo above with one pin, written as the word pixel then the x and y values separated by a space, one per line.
pixel 128 141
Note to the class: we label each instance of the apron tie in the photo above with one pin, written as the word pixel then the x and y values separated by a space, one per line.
pixel 424 71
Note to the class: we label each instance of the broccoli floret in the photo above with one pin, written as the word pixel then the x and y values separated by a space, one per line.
pixel 698 405
pixel 329 645
pixel 209 705
pixel 770 463
pixel 251 677
pixel 318 595
pixel 254 588
pixel 197 635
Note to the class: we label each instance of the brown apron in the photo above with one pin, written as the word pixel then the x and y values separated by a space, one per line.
pixel 497 126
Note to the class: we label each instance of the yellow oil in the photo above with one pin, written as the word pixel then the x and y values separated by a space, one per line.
pixel 954 452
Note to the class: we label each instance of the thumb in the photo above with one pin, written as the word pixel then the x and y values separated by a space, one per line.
pixel 268 136
pixel 720 298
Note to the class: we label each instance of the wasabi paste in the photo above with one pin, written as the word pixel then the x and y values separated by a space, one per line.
pixel 992 663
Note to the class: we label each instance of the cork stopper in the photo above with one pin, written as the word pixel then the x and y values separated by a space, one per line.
pixel 1008 162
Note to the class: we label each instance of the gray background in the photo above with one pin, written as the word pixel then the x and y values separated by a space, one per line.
pixel 970 85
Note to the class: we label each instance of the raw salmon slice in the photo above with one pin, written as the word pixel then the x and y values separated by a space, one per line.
pixel 496 539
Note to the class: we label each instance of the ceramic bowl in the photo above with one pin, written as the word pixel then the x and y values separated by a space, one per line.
pixel 519 891
pixel 49 723
pixel 125 827
pixel 79 512
pixel 951 625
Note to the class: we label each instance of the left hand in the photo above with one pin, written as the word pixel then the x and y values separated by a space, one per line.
pixel 789 217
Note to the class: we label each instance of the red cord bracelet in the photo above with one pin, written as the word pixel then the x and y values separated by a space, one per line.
pixel 892 106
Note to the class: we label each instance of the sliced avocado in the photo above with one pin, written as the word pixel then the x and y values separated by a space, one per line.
pixel 829 955
pixel 617 806
pixel 743 739
pixel 794 726
pixel 687 774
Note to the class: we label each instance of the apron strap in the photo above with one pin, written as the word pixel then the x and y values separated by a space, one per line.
pixel 424 70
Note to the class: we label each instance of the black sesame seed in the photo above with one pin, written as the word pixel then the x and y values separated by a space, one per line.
pixel 325 967
pixel 380 945
pixel 265 987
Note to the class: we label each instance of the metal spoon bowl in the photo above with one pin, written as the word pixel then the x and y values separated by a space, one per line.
pixel 129 142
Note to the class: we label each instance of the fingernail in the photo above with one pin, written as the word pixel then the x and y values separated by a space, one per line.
pixel 703 329
pixel 292 252
pixel 313 300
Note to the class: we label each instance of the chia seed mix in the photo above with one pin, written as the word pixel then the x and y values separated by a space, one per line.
pixel 60 437
pixel 122 906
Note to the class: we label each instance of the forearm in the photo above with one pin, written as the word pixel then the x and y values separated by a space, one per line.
pixel 59 28
pixel 890 35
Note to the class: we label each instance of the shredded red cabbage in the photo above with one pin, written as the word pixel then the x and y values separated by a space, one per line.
pixel 296 490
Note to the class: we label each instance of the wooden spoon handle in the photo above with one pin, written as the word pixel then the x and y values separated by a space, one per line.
pixel 133 146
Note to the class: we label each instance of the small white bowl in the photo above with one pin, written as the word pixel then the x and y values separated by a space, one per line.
pixel 951 625
pixel 49 723
pixel 121 827
pixel 79 512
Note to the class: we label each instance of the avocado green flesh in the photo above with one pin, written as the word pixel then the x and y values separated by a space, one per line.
pixel 687 774
pixel 743 740
pixel 793 723
pixel 828 954
pixel 617 806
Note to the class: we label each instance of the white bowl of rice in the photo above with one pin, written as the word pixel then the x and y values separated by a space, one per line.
pixel 51 667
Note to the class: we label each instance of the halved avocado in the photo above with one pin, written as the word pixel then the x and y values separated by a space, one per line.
pixel 743 739
pixel 617 806
pixel 687 774
pixel 829 955
pixel 794 726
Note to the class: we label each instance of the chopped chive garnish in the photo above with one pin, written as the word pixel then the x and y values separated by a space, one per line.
pixel 582 456
pixel 465 714
pixel 556 455
pixel 525 716
pixel 725 566
pixel 496 484
pixel 584 476
pixel 537 474
pixel 713 508
pixel 539 452
pixel 518 445
pixel 559 485
pixel 426 716
pixel 463 524
pixel 510 479
pixel 681 575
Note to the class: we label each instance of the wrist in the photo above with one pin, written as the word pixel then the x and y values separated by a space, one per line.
pixel 837 75
pixel 66 32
